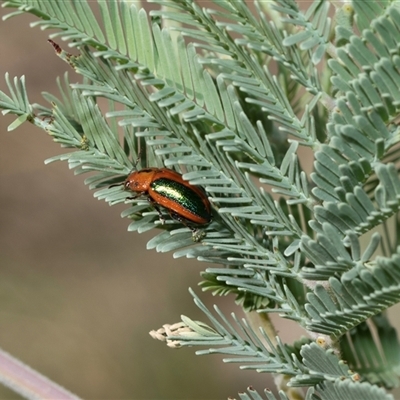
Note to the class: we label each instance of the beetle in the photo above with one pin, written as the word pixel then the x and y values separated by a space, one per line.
pixel 166 188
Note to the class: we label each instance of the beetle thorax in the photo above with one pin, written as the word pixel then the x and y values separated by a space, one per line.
pixel 139 181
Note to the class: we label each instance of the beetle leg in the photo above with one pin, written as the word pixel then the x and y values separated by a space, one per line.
pixel 183 221
pixel 178 218
pixel 197 234
pixel 154 204
pixel 136 196
pixel 160 216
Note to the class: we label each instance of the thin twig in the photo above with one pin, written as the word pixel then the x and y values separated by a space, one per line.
pixel 28 383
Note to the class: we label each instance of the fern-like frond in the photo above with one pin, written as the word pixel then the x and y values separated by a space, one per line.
pixel 263 90
pixel 18 103
pixel 215 181
pixel 367 13
pixel 360 135
pixel 204 102
pixel 255 350
pixel 270 289
pixel 349 390
pixel 330 254
pixel 373 350
pixel 359 294
pixel 359 130
pixel 100 148
pixel 238 341
pixel 313 27
pixel 252 394
pixel 356 212
pixel 167 90
pixel 376 89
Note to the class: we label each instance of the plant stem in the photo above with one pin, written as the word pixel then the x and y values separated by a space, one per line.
pixel 27 382
pixel 257 320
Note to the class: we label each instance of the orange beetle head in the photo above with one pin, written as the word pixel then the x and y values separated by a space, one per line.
pixel 139 181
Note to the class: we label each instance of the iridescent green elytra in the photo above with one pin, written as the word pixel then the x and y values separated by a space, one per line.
pixel 185 197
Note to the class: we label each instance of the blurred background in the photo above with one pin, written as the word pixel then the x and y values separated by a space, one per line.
pixel 78 293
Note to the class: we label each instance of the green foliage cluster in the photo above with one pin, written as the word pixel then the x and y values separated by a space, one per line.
pixel 229 95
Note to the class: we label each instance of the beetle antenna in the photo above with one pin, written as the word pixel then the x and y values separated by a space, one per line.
pixel 139 156
pixel 116 184
pixel 133 169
